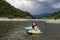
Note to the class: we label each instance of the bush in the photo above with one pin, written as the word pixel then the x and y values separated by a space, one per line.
pixel 10 17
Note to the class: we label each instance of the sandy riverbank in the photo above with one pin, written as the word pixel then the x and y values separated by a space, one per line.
pixel 6 19
pixel 52 21
pixel 46 20
pixel 21 20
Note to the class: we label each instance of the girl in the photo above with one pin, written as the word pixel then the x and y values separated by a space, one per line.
pixel 34 26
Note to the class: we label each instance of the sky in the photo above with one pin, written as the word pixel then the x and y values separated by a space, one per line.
pixel 36 7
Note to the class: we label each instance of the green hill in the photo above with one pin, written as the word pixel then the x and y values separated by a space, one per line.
pixel 6 10
pixel 55 15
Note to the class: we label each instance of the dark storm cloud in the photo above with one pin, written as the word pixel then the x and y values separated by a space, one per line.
pixel 47 6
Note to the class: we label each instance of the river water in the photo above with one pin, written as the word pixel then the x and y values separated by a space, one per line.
pixel 17 32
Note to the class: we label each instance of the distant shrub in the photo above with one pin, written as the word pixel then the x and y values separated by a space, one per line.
pixel 10 17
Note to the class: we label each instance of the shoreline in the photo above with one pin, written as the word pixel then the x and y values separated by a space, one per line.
pixel 46 20
pixel 16 19
pixel 57 21
pixel 21 20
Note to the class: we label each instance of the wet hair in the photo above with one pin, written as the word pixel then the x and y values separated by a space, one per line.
pixel 34 25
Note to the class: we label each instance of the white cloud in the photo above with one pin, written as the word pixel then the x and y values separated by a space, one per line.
pixel 57 5
pixel 18 3
pixel 25 5
pixel 14 3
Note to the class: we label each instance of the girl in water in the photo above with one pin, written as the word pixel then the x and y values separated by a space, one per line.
pixel 34 26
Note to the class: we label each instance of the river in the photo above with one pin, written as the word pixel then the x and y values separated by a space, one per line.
pixel 14 30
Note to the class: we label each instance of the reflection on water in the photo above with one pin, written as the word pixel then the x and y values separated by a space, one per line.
pixel 35 37
pixel 14 30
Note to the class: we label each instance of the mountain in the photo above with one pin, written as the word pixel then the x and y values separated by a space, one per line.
pixel 6 10
pixel 55 15
pixel 42 15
